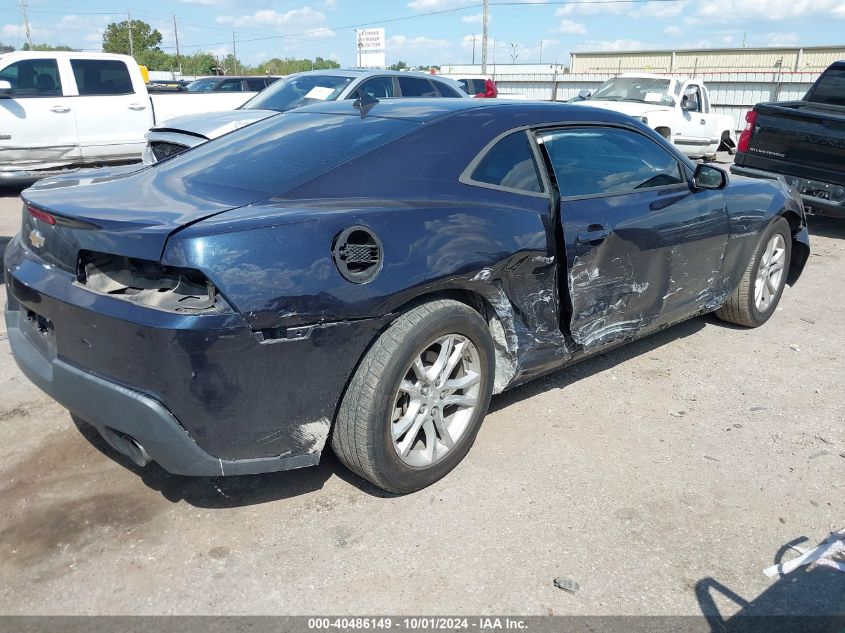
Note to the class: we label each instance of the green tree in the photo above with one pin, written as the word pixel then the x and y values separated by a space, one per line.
pixel 144 37
pixel 287 66
pixel 155 59
pixel 400 65
pixel 199 64
pixel 47 47
pixel 6 48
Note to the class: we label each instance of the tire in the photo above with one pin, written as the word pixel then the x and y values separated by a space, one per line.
pixel 742 306
pixel 386 390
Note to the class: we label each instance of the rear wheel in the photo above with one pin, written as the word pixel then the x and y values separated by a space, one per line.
pixel 415 404
pixel 758 293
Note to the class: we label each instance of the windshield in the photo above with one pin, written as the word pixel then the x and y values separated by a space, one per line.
pixel 830 88
pixel 201 85
pixel 298 91
pixel 639 89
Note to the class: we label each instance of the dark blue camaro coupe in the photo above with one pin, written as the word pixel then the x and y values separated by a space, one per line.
pixel 367 274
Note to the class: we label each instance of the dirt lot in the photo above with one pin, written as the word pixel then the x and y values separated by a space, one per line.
pixel 656 476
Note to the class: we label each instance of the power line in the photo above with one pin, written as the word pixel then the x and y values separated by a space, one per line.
pixel 429 14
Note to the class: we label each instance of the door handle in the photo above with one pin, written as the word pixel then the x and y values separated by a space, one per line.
pixel 593 237
pixel 703 121
pixel 58 108
pixel 137 106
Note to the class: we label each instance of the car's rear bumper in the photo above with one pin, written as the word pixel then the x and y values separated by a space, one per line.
pixel 819 198
pixel 201 394
pixel 134 424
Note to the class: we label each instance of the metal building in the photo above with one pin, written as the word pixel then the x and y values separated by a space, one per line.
pixel 708 60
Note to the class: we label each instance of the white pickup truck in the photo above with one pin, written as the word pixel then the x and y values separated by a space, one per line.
pixel 64 110
pixel 678 108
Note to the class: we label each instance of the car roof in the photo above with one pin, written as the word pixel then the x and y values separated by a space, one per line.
pixel 366 72
pixel 423 110
pixel 222 77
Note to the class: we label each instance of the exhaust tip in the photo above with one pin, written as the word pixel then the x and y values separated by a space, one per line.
pixel 127 445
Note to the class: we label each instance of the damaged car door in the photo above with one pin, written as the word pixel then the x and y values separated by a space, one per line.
pixel 643 247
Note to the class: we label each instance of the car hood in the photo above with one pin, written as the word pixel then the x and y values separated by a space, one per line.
pixel 630 108
pixel 213 124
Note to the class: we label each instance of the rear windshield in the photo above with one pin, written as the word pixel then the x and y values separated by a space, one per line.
pixel 298 91
pixel 282 151
pixel 830 88
pixel 202 85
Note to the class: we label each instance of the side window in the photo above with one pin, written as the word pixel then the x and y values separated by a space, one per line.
pixel 101 77
pixel 230 85
pixel 445 90
pixel 256 84
pixel 510 163
pixel 33 78
pixel 416 87
pixel 466 84
pixel 592 161
pixel 378 87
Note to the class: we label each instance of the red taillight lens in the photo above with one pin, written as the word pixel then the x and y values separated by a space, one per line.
pixel 748 132
pixel 41 215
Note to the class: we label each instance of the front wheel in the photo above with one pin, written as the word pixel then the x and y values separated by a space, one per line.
pixel 758 293
pixel 415 404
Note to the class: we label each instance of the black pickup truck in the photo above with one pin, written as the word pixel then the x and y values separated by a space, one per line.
pixel 802 141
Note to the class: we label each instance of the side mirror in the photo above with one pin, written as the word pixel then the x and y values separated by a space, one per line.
pixel 585 94
pixel 709 177
pixel 5 88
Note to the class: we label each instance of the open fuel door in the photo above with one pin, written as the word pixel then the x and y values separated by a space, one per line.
pixel 640 244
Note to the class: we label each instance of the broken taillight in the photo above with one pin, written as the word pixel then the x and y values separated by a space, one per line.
pixel 748 132
pixel 40 215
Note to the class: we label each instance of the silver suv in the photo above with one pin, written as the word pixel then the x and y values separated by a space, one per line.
pixel 176 135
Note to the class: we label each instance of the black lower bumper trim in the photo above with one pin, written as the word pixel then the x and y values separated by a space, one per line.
pixel 810 190
pixel 116 411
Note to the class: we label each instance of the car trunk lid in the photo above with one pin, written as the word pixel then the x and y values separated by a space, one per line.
pixel 128 214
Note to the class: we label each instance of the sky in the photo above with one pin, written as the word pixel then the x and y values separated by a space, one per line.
pixel 436 31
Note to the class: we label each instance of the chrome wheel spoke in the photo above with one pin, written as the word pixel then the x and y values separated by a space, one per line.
pixel 430 440
pixel 442 359
pixel 404 423
pixel 419 369
pixel 456 355
pixel 410 388
pixel 405 444
pixel 459 400
pixel 464 382
pixel 440 424
pixel 770 288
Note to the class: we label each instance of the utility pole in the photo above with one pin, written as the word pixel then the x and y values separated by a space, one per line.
pixel 473 49
pixel 176 36
pixel 484 11
pixel 131 43
pixel 541 51
pixel 234 53
pixel 26 24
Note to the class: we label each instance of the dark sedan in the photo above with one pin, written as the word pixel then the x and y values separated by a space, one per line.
pixel 368 274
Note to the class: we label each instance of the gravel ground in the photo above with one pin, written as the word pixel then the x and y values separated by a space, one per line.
pixel 661 477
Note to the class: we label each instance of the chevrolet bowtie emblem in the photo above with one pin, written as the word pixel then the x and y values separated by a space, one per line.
pixel 36 238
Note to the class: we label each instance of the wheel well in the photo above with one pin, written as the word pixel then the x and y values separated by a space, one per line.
pixel 800 251
pixel 500 321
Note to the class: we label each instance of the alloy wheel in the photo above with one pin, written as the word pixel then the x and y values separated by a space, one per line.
pixel 770 273
pixel 436 400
